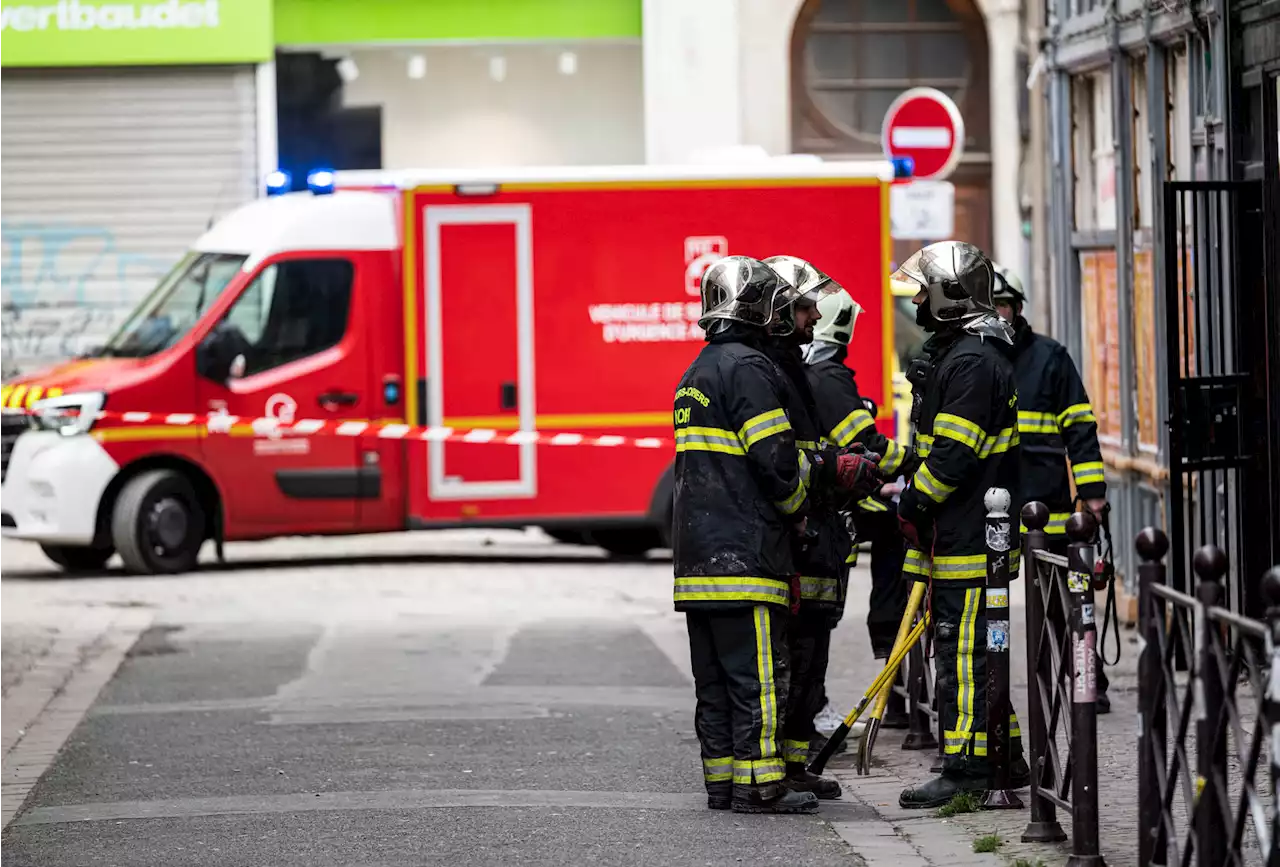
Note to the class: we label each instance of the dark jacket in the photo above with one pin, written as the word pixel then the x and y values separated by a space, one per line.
pixel 967 442
pixel 738 487
pixel 1056 422
pixel 844 420
pixel 820 557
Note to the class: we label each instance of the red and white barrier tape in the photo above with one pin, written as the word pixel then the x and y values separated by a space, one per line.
pixel 270 427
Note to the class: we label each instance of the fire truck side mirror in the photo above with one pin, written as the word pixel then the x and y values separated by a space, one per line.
pixel 221 355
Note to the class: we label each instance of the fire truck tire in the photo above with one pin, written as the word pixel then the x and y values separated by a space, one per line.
pixel 567 537
pixel 158 524
pixel 77 558
pixel 630 542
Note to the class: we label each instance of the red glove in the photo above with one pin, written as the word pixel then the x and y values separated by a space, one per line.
pixel 909 532
pixel 858 475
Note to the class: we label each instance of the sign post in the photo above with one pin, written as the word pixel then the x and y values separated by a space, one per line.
pixel 925 125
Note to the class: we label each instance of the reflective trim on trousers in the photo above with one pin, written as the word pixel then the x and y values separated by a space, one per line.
pixel 819 589
pixel 954 743
pixel 746 771
pixel 717 770
pixel 966 689
pixel 795 751
pixel 768 689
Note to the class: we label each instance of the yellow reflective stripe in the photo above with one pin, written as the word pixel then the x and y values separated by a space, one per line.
pixel 916 562
pixel 851 425
pixel 806 468
pixel 959 429
pixel 1002 442
pixel 1079 413
pixel 817 589
pixel 746 771
pixel 1088 472
pixel 717 770
pixel 795 751
pixel 733 588
pixel 1057 523
pixel 893 457
pixel 924 444
pixel 951 566
pixel 763 425
pixel 871 504
pixel 928 484
pixel 708 439
pixel 966 688
pixel 955 742
pixel 768 698
pixel 852 557
pixel 1037 422
pixel 808 445
pixel 791 504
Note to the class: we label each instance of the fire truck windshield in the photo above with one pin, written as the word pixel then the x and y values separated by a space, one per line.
pixel 174 306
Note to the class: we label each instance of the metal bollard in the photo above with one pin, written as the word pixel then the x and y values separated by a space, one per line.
pixel 999 708
pixel 1271 592
pixel 1044 826
pixel 1081 556
pixel 1210 564
pixel 1153 725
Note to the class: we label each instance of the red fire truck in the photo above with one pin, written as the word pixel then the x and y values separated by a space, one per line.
pixel 561 301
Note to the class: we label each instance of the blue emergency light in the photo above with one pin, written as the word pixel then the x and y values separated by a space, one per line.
pixel 321 181
pixel 903 167
pixel 278 182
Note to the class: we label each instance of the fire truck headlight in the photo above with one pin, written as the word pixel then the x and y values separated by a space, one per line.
pixel 321 181
pixel 68 414
pixel 278 182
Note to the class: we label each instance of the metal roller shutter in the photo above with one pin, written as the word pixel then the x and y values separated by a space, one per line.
pixel 106 177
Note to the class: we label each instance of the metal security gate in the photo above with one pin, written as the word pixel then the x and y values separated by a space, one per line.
pixel 1217 298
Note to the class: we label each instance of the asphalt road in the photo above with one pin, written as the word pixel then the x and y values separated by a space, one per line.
pixel 447 698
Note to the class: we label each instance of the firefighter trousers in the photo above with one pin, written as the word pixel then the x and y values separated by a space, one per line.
pixel 809 640
pixel 1057 615
pixel 888 591
pixel 741 670
pixel 960 673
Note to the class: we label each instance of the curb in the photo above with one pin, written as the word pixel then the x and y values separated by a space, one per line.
pixel 48 703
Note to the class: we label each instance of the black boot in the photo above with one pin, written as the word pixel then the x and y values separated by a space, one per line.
pixel 939 791
pixel 719 795
pixel 798 779
pixel 771 798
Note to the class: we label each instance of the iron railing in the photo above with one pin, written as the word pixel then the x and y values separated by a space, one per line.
pixel 1061 684
pixel 1202 799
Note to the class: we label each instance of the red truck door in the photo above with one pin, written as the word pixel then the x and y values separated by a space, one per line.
pixel 302 317
pixel 478 287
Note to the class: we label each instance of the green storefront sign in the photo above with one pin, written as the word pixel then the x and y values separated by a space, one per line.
pixel 145 32
pixel 178 32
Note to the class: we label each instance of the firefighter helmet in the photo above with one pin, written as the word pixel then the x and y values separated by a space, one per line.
pixel 811 287
pixel 742 289
pixel 958 278
pixel 1008 286
pixel 839 313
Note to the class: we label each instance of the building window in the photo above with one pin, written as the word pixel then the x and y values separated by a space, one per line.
pixel 852 58
pixel 1178 133
pixel 1144 206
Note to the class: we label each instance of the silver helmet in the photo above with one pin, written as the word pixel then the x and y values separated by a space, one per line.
pixel 742 289
pixel 960 282
pixel 811 286
pixel 1008 286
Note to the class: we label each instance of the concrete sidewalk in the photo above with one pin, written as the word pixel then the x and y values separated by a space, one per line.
pixel 853 669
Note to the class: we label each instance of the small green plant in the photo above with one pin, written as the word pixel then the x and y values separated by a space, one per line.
pixel 964 802
pixel 1023 862
pixel 987 843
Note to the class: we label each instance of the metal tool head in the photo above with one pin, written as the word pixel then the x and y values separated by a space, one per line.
pixel 866 744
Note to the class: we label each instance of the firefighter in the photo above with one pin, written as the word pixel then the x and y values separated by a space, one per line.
pixel 821 555
pixel 966 442
pixel 844 420
pixel 1056 424
pixel 740 500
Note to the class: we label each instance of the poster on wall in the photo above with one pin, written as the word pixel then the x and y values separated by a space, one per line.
pixel 1101 340
pixel 1146 377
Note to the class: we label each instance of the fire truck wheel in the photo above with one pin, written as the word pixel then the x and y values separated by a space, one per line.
pixel 567 537
pixel 158 525
pixel 75 558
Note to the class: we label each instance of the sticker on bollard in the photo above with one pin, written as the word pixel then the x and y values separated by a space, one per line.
pixel 998 536
pixel 1079 582
pixel 1086 680
pixel 1086 614
pixel 998 635
pixel 997 597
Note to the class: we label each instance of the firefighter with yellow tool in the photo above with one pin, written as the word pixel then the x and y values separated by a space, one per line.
pixel 966 441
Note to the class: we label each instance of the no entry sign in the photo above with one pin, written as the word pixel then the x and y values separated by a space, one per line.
pixel 924 124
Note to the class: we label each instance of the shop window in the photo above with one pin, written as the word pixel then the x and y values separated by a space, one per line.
pixel 1103 154
pixel 1081 150
pixel 291 310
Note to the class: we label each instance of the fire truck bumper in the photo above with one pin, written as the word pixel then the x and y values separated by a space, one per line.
pixel 53 486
